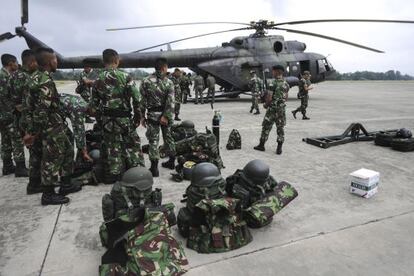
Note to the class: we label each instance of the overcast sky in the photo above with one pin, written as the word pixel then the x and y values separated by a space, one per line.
pixel 77 27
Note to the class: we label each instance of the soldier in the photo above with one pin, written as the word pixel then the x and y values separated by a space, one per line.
pixel 185 83
pixel 211 85
pixel 255 86
pixel 85 83
pixel 11 140
pixel 175 78
pixel 158 96
pixel 304 86
pixel 276 113
pixel 198 88
pixel 112 95
pixel 49 125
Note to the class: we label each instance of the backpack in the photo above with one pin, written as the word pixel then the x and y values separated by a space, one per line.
pixel 234 141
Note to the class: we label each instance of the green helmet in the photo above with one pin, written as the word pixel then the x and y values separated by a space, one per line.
pixel 187 124
pixel 256 171
pixel 139 178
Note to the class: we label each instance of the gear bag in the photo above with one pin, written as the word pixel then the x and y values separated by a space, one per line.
pixel 234 141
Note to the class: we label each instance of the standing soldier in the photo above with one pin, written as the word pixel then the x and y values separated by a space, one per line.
pixel 50 126
pixel 176 78
pixel 158 96
pixel 198 88
pixel 85 83
pixel 11 140
pixel 112 95
pixel 185 83
pixel 211 85
pixel 255 85
pixel 276 113
pixel 304 86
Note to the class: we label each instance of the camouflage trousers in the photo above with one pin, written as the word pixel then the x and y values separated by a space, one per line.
pixel 211 93
pixel 199 94
pixel 274 115
pixel 186 92
pixel 11 142
pixel 255 101
pixel 35 159
pixel 177 108
pixel 303 104
pixel 57 155
pixel 122 151
pixel 153 136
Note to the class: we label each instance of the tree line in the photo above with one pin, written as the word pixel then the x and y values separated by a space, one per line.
pixel 369 75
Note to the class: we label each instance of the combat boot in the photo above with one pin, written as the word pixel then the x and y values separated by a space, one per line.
pixel 305 118
pixel 294 113
pixel 260 146
pixel 34 186
pixel 154 168
pixel 50 197
pixel 170 164
pixel 8 167
pixel 21 170
pixel 257 112
pixel 66 187
pixel 251 109
pixel 176 118
pixel 110 178
pixel 279 148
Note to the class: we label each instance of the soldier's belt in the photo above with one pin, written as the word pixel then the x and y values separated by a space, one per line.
pixel 118 113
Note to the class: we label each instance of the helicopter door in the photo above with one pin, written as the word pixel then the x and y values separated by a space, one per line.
pixel 293 68
pixel 304 65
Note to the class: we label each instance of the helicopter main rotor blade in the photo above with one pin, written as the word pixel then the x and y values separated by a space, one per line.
pixel 176 24
pixel 191 37
pixel 6 36
pixel 329 38
pixel 341 20
pixel 25 11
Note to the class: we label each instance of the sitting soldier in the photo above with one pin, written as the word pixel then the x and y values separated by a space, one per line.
pixel 260 194
pixel 211 221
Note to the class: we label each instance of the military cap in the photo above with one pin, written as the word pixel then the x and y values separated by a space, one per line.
pixel 252 72
pixel 278 67
pixel 176 70
pixel 306 73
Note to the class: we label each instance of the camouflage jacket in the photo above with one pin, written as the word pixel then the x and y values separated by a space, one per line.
pixel 158 97
pixel 44 113
pixel 199 81
pixel 6 102
pixel 20 87
pixel 151 250
pixel 279 89
pixel 211 82
pixel 74 108
pixel 177 87
pixel 256 85
pixel 84 89
pixel 111 98
pixel 302 83
pixel 185 82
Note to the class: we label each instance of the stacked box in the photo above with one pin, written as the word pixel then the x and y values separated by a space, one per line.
pixel 364 182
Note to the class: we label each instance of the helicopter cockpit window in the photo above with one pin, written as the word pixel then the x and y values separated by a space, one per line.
pixel 321 66
pixel 278 46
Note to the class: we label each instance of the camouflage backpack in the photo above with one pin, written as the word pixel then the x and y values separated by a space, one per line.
pixel 260 194
pixel 147 249
pixel 234 141
pixel 211 221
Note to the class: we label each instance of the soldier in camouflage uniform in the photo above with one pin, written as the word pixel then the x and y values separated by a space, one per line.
pixel 199 88
pixel 185 83
pixel 255 85
pixel 304 86
pixel 276 113
pixel 158 96
pixel 112 95
pixel 176 79
pixel 49 125
pixel 85 83
pixel 211 86
pixel 11 140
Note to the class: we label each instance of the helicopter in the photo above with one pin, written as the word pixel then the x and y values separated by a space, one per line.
pixel 232 62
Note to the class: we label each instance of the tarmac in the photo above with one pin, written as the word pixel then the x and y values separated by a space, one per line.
pixel 324 231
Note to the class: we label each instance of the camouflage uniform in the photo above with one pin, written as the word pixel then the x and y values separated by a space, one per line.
pixel 276 112
pixel 158 97
pixel 83 89
pixel 199 88
pixel 303 95
pixel 255 85
pixel 178 94
pixel 112 94
pixel 11 140
pixel 185 83
pixel 50 127
pixel 20 91
pixel 211 85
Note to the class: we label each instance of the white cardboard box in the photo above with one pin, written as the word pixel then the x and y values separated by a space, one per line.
pixel 364 182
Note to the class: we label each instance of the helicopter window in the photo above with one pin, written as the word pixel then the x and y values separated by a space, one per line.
pixel 278 46
pixel 321 66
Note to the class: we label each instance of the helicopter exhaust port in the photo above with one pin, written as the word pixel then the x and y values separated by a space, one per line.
pixel 278 46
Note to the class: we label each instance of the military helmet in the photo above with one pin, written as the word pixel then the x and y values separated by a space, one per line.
pixel 95 154
pixel 256 171
pixel 404 133
pixel 278 67
pixel 205 174
pixel 139 178
pixel 187 124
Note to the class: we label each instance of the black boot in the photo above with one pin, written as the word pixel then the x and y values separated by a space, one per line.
pixel 154 168
pixel 257 112
pixel 279 148
pixel 294 113
pixel 260 146
pixel 111 178
pixel 66 187
pixel 50 197
pixel 21 170
pixel 34 186
pixel 251 109
pixel 8 167
pixel 170 164
pixel 305 118
pixel 176 118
